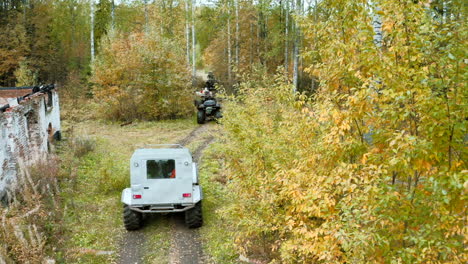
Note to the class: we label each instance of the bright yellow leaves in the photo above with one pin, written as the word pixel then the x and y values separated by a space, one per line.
pixel 372 170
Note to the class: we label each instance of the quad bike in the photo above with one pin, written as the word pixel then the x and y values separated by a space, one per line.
pixel 208 107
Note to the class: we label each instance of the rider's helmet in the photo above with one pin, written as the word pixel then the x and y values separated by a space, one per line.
pixel 210 76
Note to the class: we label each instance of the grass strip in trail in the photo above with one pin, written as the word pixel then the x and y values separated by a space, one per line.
pixel 158 242
pixel 93 213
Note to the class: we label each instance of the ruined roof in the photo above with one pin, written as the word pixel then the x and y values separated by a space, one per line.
pixel 11 92
pixel 21 94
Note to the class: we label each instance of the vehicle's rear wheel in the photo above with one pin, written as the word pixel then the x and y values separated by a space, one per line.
pixel 194 217
pixel 132 219
pixel 200 117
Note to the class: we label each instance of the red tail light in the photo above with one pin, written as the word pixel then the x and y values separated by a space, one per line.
pixel 187 195
pixel 137 196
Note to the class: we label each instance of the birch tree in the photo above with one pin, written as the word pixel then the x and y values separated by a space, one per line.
pixel 286 39
pixel 297 33
pixel 91 38
pixel 194 58
pixel 237 33
pixel 146 14
pixel 187 32
pixel 228 6
pixel 113 15
pixel 376 24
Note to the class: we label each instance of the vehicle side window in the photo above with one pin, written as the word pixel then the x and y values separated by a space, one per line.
pixel 160 169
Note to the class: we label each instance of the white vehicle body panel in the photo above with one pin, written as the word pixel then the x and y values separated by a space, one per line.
pixel 197 193
pixel 162 193
pixel 127 196
pixel 195 173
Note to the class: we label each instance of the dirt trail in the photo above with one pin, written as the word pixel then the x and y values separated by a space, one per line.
pixel 193 135
pixel 186 247
pixel 130 252
pixel 186 243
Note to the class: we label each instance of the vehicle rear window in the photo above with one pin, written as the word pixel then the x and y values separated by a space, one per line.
pixel 160 169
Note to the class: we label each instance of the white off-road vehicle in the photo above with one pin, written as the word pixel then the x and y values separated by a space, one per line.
pixel 163 180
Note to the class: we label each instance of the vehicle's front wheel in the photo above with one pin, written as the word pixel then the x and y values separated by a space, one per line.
pixel 194 217
pixel 200 117
pixel 132 219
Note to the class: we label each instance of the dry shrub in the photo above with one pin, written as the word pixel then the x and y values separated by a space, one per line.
pixel 82 146
pixel 141 76
pixel 31 223
pixel 74 97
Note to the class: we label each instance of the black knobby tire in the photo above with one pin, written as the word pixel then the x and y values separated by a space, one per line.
pixel 218 114
pixel 201 116
pixel 132 219
pixel 194 217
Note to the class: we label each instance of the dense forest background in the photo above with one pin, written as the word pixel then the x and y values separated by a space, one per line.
pixel 344 138
pixel 55 41
pixel 72 42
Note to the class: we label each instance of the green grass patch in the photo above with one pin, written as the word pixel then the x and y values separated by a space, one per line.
pixel 158 234
pixel 218 245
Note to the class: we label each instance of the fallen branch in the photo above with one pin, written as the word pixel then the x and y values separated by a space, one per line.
pixel 31 211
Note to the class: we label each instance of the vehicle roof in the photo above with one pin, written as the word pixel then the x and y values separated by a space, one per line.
pixel 162 153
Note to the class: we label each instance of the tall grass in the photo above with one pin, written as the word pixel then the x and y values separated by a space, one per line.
pixel 32 227
pixel 31 223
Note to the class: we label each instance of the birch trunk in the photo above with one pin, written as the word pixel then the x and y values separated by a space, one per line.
pixel 297 9
pixel 286 40
pixel 261 32
pixel 187 33
pixel 146 16
pixel 237 33
pixel 112 14
pixel 194 61
pixel 92 31
pixel 251 43
pixel 229 42
pixel 314 47
pixel 377 25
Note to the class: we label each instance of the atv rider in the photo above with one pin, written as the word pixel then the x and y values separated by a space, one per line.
pixel 211 82
pixel 202 96
pixel 208 91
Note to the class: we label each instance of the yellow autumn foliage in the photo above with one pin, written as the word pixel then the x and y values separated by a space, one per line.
pixel 370 169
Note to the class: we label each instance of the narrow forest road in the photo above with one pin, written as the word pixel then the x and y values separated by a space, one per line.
pixel 186 246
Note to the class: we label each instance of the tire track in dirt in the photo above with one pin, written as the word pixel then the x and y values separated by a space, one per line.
pixel 186 243
pixel 192 135
pixel 132 243
pixel 186 247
